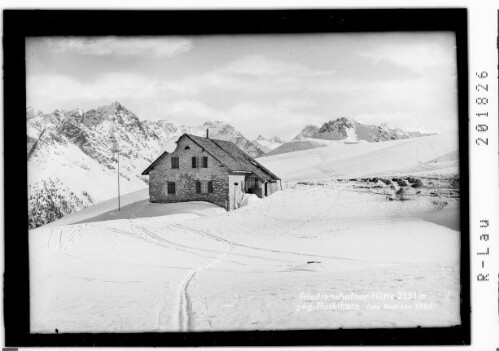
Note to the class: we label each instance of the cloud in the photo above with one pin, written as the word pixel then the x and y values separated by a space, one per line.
pixel 418 57
pixel 247 78
pixel 250 104
pixel 254 73
pixel 284 117
pixel 157 47
pixel 259 65
pixel 49 91
pixel 187 111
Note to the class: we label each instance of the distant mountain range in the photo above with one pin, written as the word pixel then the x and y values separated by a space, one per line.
pixel 72 155
pixel 348 129
pixel 342 129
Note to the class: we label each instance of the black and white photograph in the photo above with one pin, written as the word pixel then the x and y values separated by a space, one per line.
pixel 220 183
pixel 271 176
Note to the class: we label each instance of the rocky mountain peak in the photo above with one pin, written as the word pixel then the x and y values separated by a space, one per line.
pixel 113 115
pixel 214 124
pixel 74 116
pixel 348 129
pixel 337 125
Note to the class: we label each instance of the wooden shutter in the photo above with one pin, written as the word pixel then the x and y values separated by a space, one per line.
pixel 210 187
pixel 194 163
pixel 205 162
pixel 198 187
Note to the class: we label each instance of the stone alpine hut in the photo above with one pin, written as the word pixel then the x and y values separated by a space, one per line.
pixel 212 170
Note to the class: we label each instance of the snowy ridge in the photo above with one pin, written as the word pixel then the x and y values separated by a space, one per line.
pixel 299 145
pixel 267 144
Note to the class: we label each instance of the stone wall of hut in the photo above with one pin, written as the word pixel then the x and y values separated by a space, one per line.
pixel 185 178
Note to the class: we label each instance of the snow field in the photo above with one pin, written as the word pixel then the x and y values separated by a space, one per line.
pixel 247 269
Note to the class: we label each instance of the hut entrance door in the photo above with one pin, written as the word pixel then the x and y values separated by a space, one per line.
pixel 266 188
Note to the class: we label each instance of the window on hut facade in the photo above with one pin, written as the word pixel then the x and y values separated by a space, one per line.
pixel 171 188
pixel 204 187
pixel 194 162
pixel 205 162
pixel 174 162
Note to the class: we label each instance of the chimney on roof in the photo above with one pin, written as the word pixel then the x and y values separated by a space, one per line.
pixel 207 133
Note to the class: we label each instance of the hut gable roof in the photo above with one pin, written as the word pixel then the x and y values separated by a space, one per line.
pixel 228 154
pixel 151 166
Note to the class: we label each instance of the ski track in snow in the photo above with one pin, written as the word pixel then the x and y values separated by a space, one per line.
pixel 184 304
pixel 301 224
pixel 65 240
pixel 185 320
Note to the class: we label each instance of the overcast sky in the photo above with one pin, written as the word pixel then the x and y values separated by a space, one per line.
pixel 267 84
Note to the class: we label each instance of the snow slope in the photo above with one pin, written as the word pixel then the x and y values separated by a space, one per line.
pixel 297 145
pixel 252 268
pixel 340 159
pixel 102 208
pixel 137 205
